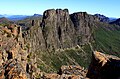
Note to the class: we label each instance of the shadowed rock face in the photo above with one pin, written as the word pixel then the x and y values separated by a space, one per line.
pixel 104 67
pixel 83 24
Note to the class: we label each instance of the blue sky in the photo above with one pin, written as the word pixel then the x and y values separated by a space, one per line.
pixel 109 8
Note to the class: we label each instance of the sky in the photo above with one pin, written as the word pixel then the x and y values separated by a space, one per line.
pixel 110 8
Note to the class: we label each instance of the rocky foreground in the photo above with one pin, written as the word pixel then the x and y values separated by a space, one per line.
pixel 103 66
pixel 14 60
pixel 16 64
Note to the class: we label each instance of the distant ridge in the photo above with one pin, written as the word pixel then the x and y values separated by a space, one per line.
pixel 117 22
pixel 104 18
pixel 4 20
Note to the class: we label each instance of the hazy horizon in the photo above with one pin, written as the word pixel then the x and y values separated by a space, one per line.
pixel 31 7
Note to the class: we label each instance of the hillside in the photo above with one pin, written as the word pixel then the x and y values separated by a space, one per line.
pixel 65 39
pixel 4 21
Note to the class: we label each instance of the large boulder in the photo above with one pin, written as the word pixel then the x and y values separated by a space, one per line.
pixel 104 66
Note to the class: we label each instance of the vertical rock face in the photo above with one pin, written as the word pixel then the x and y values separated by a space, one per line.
pixel 34 39
pixel 83 24
pixel 61 30
pixel 57 29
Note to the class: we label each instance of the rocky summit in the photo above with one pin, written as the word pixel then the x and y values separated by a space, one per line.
pixel 59 45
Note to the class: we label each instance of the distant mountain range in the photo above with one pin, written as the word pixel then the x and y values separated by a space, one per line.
pixel 105 18
pixel 21 17
pixel 117 22
pixel 17 17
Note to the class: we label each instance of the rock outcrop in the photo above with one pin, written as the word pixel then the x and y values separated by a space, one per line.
pixel 12 69
pixel 104 66
pixel 12 44
pixel 13 54
pixel 68 72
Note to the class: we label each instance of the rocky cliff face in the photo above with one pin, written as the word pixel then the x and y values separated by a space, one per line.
pixel 59 30
pixel 83 24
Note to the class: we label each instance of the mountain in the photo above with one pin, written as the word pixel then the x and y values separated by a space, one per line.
pixel 14 17
pixel 117 22
pixel 4 21
pixel 1 16
pixel 36 15
pixel 62 38
pixel 112 19
pixel 19 17
pixel 60 45
pixel 104 18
